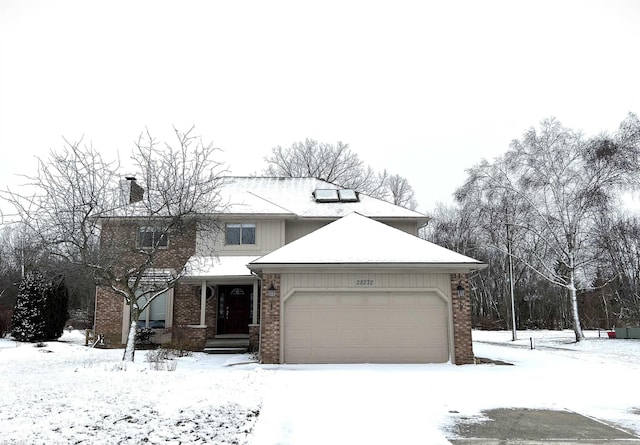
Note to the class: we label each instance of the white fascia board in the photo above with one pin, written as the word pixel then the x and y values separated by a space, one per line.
pixel 358 267
pixel 226 216
pixel 221 279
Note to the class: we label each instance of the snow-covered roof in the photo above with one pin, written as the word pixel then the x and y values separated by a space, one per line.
pixel 286 198
pixel 294 197
pixel 356 239
pixel 218 266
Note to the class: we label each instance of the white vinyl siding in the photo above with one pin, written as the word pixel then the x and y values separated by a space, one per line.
pixel 298 229
pixel 269 236
pixel 411 227
pixel 381 280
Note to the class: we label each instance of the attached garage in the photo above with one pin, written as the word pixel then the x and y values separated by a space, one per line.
pixel 365 327
pixel 360 291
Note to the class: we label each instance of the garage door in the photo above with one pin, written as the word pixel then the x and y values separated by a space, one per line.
pixel 379 327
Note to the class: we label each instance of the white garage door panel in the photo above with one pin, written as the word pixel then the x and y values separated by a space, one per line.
pixel 300 355
pixel 365 328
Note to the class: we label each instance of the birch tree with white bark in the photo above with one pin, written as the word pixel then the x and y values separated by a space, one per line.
pixel 560 183
pixel 76 191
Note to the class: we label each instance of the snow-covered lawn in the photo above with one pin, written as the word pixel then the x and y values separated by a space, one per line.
pixel 75 394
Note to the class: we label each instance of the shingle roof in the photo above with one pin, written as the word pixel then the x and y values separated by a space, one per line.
pixel 287 198
pixel 356 239
pixel 293 196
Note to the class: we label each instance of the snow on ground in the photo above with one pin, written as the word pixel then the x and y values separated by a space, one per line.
pixel 68 393
pixel 76 394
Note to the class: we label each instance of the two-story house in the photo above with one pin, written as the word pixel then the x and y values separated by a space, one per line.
pixel 307 272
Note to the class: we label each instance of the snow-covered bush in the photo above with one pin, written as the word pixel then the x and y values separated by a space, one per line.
pixel 56 309
pixel 161 359
pixel 41 309
pixel 28 316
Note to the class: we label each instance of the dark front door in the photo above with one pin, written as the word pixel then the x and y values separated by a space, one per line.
pixel 234 309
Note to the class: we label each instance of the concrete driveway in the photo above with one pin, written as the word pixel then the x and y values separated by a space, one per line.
pixel 529 427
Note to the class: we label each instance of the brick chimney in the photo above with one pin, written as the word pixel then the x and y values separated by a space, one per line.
pixel 135 192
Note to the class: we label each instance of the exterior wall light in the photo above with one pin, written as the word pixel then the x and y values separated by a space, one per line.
pixel 271 292
pixel 460 289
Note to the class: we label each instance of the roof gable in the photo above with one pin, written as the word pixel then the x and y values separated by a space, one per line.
pixel 356 239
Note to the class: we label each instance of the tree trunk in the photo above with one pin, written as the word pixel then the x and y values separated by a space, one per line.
pixel 577 328
pixel 606 311
pixel 130 348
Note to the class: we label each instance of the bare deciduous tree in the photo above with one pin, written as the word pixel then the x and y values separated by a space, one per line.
pixel 77 204
pixel 341 166
pixel 400 192
pixel 555 184
pixel 619 239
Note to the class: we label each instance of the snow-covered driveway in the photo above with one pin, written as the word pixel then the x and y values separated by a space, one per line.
pixel 367 404
pixel 418 404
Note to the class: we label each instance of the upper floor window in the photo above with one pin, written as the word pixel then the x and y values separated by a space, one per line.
pixel 151 237
pixel 241 234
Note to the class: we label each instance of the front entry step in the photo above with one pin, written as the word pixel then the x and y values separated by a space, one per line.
pixel 227 350
pixel 227 345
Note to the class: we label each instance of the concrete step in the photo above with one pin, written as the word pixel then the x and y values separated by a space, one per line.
pixel 227 344
pixel 226 350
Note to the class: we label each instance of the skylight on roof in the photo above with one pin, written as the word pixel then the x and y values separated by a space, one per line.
pixel 332 195
pixel 348 195
pixel 326 195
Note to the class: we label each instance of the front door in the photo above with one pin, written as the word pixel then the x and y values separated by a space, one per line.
pixel 234 309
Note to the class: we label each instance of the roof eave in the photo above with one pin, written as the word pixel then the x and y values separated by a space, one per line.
pixel 200 278
pixel 441 267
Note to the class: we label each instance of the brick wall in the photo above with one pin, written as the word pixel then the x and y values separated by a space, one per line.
pixel 186 305
pixel 119 248
pixel 270 325
pixel 463 345
pixel 119 245
pixel 189 338
pixel 108 320
pixel 254 337
pixel 186 308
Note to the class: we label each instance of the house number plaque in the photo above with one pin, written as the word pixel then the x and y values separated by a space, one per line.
pixel 366 283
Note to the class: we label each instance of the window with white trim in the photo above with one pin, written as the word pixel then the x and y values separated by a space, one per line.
pixel 239 234
pixel 155 315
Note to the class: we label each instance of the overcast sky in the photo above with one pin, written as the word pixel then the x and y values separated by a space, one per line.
pixel 423 89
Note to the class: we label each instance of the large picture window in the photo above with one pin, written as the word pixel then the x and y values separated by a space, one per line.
pixel 238 234
pixel 155 315
pixel 151 237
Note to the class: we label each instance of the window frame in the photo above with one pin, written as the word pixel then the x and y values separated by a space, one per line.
pixel 143 319
pixel 240 236
pixel 159 237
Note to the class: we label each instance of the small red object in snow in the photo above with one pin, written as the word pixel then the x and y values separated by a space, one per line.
pixel 611 334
